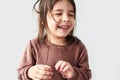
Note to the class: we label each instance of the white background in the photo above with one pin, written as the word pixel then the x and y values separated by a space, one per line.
pixel 98 23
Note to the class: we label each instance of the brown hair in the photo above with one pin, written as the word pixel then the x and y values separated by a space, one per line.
pixel 43 7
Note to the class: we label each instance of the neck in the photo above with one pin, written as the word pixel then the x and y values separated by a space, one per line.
pixel 57 40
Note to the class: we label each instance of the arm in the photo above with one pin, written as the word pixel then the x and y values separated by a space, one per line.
pixel 28 60
pixel 79 72
pixel 82 71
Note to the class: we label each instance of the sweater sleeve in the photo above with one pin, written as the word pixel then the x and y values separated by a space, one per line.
pixel 27 60
pixel 82 70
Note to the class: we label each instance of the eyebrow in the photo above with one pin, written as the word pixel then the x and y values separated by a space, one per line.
pixel 62 10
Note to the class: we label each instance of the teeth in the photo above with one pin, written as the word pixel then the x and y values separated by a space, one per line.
pixel 64 27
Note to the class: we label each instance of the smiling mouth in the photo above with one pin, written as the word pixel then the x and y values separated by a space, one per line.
pixel 63 27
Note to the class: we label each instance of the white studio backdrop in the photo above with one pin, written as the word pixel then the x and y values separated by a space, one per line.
pixel 98 23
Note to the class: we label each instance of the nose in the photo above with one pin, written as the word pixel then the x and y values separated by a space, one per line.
pixel 65 18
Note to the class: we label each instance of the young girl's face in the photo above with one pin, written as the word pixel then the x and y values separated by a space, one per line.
pixel 60 21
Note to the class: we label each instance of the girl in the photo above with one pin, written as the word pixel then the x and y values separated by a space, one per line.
pixel 55 54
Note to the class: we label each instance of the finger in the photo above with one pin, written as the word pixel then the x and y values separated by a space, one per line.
pixel 63 65
pixel 42 77
pixel 44 67
pixel 65 68
pixel 47 73
pixel 58 64
pixel 36 79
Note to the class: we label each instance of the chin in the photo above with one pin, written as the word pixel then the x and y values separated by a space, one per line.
pixel 63 36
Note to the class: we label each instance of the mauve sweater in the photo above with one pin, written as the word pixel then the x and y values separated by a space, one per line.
pixel 44 52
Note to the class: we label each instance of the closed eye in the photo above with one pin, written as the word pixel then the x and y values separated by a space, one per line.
pixel 71 14
pixel 58 14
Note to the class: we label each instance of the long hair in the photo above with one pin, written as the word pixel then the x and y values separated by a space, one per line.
pixel 43 7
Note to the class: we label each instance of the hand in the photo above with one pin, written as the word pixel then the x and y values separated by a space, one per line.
pixel 40 72
pixel 65 69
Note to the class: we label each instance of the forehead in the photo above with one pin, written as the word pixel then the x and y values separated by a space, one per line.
pixel 63 5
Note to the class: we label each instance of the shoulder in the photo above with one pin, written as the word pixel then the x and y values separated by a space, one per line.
pixel 78 43
pixel 35 42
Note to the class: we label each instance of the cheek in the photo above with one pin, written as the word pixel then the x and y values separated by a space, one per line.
pixel 50 23
pixel 72 23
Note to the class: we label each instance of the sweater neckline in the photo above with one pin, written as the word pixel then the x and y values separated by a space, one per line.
pixel 47 42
